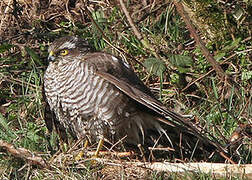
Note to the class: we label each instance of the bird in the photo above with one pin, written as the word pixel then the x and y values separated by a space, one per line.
pixel 98 96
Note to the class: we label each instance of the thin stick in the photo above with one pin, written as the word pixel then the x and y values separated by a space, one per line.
pixel 209 72
pixel 106 39
pixel 136 31
pixel 5 12
pixel 118 154
pixel 199 42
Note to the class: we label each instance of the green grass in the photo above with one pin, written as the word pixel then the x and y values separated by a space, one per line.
pixel 219 106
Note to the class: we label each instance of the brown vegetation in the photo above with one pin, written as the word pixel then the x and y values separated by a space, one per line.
pixel 213 82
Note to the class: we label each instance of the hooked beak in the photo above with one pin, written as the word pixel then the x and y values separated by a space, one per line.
pixel 51 56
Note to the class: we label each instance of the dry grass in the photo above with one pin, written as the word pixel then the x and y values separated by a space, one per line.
pixel 189 83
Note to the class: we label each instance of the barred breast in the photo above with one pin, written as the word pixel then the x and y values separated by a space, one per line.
pixel 85 102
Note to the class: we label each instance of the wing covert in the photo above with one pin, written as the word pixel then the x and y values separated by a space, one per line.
pixel 122 79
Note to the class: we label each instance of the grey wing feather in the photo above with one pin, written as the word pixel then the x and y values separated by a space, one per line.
pixel 115 71
pixel 134 91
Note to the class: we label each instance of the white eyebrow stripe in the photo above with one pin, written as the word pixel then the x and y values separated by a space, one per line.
pixel 68 45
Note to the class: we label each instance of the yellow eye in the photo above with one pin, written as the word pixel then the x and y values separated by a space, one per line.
pixel 64 52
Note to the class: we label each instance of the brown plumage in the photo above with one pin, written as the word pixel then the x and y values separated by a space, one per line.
pixel 97 95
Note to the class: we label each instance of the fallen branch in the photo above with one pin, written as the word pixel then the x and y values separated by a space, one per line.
pixel 24 154
pixel 216 169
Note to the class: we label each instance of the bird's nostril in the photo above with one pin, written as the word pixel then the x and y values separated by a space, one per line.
pixel 51 58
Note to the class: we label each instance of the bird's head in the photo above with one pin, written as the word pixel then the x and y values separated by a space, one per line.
pixel 67 48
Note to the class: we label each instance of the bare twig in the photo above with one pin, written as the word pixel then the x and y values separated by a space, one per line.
pixel 136 32
pixel 209 72
pixel 161 149
pixel 199 42
pixel 4 16
pixel 227 158
pixel 106 39
pixel 118 154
